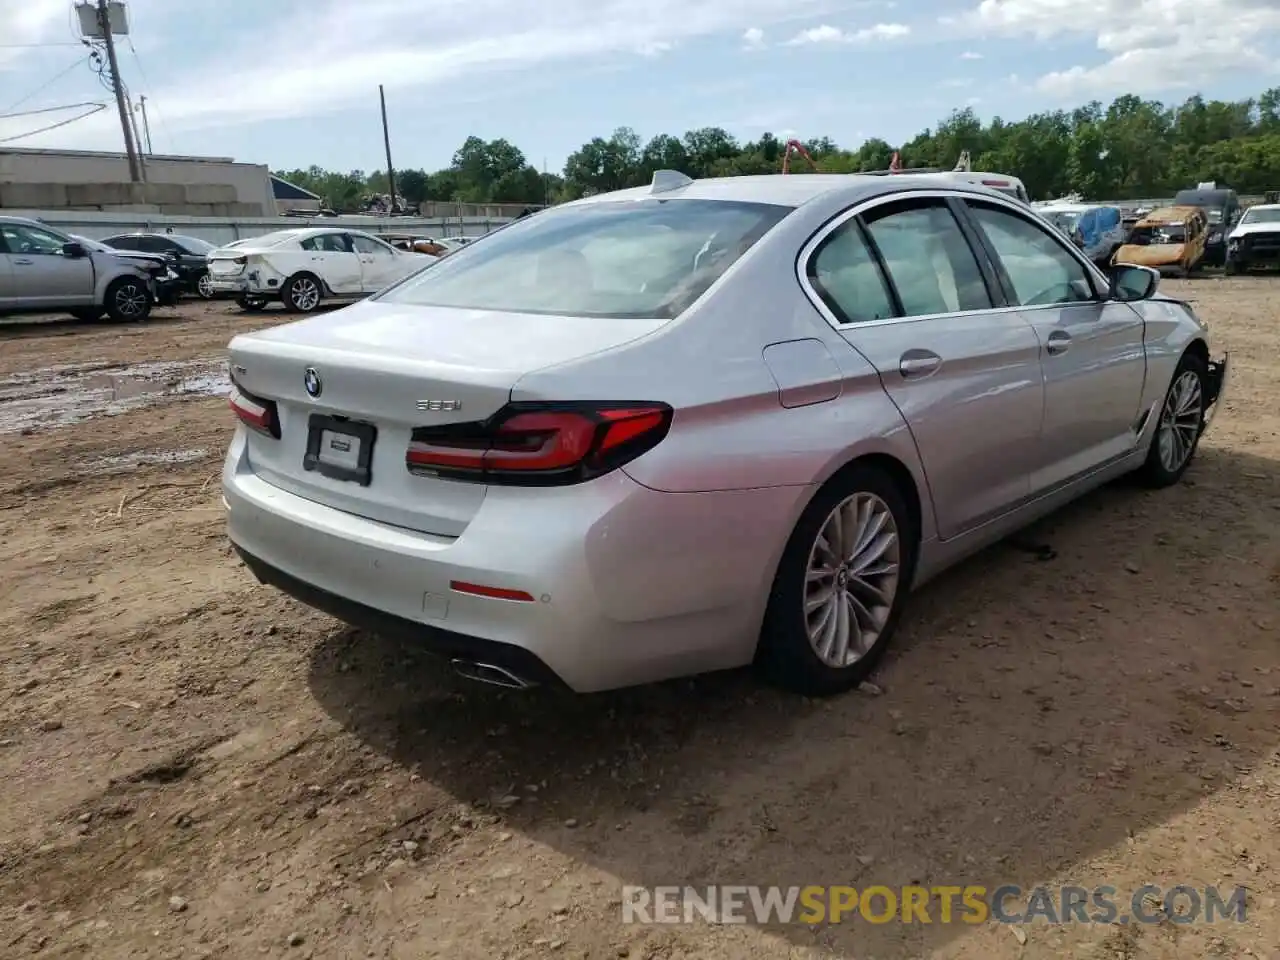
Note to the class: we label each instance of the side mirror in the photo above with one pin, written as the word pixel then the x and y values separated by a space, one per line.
pixel 73 250
pixel 1130 282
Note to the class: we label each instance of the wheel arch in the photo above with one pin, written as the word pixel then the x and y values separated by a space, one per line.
pixel 1198 348
pixel 324 287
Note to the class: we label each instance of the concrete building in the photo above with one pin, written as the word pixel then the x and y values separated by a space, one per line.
pixel 183 186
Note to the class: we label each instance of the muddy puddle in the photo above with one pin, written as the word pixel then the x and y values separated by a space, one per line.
pixel 58 396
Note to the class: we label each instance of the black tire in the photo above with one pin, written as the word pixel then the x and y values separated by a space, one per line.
pixel 785 654
pixel 251 304
pixel 128 300
pixel 87 314
pixel 302 293
pixel 1155 472
pixel 202 287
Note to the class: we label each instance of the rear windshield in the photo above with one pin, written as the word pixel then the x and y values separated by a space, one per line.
pixel 1063 221
pixel 194 244
pixel 646 258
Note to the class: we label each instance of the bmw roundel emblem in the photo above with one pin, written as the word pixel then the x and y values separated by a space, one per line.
pixel 311 381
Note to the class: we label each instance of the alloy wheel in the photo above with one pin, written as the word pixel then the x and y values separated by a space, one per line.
pixel 305 294
pixel 131 301
pixel 852 579
pixel 1180 421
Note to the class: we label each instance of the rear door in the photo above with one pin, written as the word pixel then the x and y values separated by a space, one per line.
pixel 907 291
pixel 380 265
pixel 41 274
pixel 1094 360
pixel 333 258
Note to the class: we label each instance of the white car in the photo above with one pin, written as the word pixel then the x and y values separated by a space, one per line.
pixel 304 267
pixel 1255 241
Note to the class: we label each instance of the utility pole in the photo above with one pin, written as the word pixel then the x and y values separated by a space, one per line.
pixel 104 21
pixel 146 125
pixel 137 137
pixel 386 140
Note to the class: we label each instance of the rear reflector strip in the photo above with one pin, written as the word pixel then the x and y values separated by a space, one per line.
pixel 493 593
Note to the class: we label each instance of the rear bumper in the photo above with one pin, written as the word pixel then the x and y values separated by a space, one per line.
pixel 517 661
pixel 628 585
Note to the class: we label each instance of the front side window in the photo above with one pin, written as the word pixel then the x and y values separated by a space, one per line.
pixel 848 279
pixel 927 257
pixel 648 258
pixel 1039 269
pixel 31 241
pixel 154 245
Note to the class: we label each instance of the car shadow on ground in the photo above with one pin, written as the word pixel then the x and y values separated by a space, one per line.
pixel 1039 707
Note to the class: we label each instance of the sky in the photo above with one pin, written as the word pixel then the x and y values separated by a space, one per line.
pixel 291 83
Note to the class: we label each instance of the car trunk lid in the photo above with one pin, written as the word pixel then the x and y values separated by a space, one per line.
pixel 396 368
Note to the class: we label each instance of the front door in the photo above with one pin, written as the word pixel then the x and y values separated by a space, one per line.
pixel 965 377
pixel 1093 358
pixel 40 273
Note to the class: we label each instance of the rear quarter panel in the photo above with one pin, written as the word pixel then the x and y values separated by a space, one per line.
pixel 731 431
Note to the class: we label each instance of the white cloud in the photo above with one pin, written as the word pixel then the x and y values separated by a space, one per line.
pixel 31 22
pixel 1147 46
pixel 655 48
pixel 828 34
pixel 958 83
pixel 753 39
pixel 970 55
pixel 237 77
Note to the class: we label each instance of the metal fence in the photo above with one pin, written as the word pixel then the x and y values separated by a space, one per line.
pixel 221 230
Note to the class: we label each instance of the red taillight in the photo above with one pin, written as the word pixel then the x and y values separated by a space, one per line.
pixel 255 413
pixel 540 444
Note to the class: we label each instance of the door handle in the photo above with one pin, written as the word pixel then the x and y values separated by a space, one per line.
pixel 23 262
pixel 1059 343
pixel 918 363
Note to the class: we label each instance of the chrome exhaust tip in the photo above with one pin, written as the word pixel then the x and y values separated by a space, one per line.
pixel 489 673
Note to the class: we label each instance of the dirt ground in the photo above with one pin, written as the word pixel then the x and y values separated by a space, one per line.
pixel 192 765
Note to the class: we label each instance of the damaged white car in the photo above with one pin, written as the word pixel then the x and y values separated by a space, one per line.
pixel 303 268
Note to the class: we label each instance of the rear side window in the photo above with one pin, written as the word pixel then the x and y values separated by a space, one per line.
pixel 930 262
pixel 327 243
pixel 845 274
pixel 646 258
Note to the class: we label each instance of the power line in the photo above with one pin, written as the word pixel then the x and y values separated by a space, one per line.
pixel 37 46
pixel 147 85
pixel 44 86
pixel 94 108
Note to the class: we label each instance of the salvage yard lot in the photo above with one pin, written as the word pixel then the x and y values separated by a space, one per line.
pixel 192 765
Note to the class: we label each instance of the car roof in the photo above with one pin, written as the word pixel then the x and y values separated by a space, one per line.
pixel 25 221
pixel 791 190
pixel 1264 206
pixel 1175 214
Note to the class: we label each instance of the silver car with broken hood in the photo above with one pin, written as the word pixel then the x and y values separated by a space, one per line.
pixel 701 424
